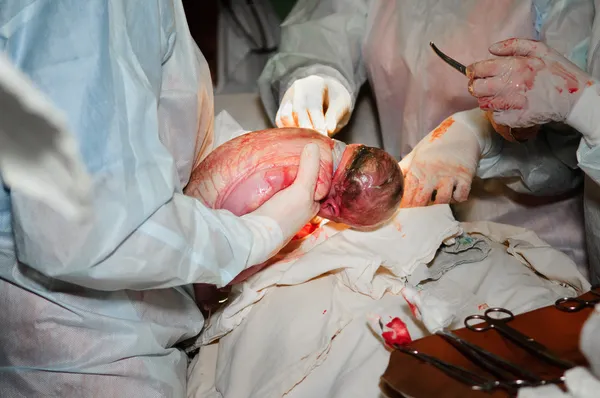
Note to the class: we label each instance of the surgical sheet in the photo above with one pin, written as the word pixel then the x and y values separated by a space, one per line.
pixel 369 263
pixel 311 337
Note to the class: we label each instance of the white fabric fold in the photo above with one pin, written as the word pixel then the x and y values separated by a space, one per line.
pixel 370 263
pixel 312 339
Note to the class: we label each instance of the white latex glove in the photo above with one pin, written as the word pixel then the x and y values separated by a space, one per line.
pixel 277 221
pixel 315 102
pixel 446 160
pixel 529 84
pixel 38 155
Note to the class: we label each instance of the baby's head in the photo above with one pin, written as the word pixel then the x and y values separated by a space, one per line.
pixel 366 189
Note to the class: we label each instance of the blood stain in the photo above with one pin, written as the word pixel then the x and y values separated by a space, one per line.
pixel 441 129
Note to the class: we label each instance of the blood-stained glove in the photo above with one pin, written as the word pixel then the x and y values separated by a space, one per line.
pixel 445 161
pixel 290 209
pixel 315 102
pixel 529 84
pixel 512 134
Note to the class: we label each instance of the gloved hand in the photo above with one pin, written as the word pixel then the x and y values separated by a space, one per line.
pixel 530 84
pixel 446 160
pixel 276 222
pixel 315 102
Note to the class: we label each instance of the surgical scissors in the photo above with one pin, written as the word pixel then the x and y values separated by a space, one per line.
pixel 575 304
pixel 523 341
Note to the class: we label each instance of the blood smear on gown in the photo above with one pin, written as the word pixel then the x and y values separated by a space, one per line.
pixel 306 230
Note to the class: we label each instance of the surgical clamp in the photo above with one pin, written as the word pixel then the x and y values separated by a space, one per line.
pixel 473 380
pixel 490 362
pixel 525 342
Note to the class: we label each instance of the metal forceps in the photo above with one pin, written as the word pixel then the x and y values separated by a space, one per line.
pixel 575 304
pixel 523 341
pixel 475 381
pixel 491 363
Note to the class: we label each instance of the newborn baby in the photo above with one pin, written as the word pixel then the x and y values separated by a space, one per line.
pixel 359 186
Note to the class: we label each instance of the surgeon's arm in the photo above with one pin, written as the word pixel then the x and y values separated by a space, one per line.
pixel 143 233
pixel 182 242
pixel 319 37
pixel 465 145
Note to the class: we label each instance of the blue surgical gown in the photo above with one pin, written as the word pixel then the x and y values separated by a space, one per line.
pixel 95 309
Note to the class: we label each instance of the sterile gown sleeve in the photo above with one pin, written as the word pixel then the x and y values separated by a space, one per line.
pixel 566 26
pixel 113 84
pixel 544 166
pixel 589 160
pixel 585 117
pixel 319 37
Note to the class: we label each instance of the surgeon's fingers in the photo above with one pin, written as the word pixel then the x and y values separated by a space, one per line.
pixel 285 116
pixel 462 190
pixel 488 68
pixel 299 110
pixel 423 194
pixel 508 68
pixel 308 171
pixel 490 86
pixel 515 101
pixel 444 191
pixel 335 118
pixel 411 185
pixel 338 111
pixel 302 118
pixel 314 105
pixel 318 120
pixel 495 67
pixel 522 47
